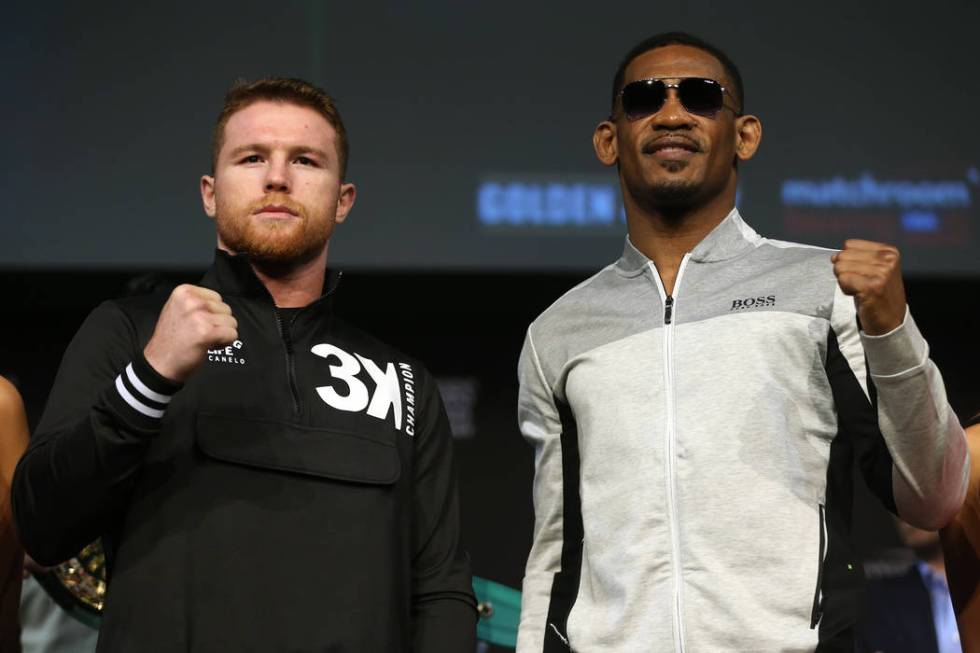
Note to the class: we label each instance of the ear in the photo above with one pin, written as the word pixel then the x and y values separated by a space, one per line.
pixel 207 195
pixel 748 135
pixel 345 202
pixel 605 143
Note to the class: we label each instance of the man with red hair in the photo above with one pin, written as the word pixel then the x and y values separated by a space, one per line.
pixel 265 476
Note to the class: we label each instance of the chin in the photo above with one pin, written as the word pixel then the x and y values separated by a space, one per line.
pixel 674 193
pixel 283 244
pixel 277 247
pixel 283 258
pixel 298 246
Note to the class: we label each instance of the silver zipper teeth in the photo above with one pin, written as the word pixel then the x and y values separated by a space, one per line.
pixel 669 453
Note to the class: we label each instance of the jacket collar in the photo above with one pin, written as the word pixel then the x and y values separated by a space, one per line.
pixel 233 274
pixel 732 237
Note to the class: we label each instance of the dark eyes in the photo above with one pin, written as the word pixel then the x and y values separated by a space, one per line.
pixel 301 160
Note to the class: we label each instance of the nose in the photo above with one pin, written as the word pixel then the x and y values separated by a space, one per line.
pixel 277 176
pixel 672 114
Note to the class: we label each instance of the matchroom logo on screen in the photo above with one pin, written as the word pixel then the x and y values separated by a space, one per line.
pixel 925 211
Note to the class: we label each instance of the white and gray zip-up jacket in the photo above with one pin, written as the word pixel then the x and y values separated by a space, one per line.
pixel 694 452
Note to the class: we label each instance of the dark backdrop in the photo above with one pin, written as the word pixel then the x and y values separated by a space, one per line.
pixel 470 124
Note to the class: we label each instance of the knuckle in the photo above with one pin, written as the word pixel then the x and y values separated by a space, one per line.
pixel 201 324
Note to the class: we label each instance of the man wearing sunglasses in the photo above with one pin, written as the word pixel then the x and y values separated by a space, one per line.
pixel 697 407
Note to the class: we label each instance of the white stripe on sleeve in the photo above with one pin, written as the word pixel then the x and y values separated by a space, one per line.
pixel 145 391
pixel 134 402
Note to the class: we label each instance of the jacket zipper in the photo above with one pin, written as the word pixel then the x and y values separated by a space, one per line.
pixel 669 446
pixel 817 610
pixel 290 359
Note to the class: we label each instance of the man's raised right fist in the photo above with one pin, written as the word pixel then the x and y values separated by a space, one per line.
pixel 193 320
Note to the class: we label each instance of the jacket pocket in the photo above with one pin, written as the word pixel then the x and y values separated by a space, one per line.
pixel 286 447
pixel 817 610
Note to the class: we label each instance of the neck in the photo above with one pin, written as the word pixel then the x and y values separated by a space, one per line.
pixel 666 234
pixel 292 285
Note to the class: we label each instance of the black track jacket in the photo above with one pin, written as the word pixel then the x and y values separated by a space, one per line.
pixel 296 494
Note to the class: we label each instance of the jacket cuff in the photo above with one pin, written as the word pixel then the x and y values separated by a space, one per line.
pixel 141 395
pixel 901 351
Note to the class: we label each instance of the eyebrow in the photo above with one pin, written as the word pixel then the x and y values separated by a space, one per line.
pixel 264 149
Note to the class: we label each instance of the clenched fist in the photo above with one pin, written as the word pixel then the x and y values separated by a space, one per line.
pixel 193 320
pixel 870 272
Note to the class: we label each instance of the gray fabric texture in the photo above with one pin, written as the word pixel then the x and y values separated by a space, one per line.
pixel 704 444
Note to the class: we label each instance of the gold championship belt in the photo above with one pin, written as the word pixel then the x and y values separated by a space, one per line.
pixel 78 584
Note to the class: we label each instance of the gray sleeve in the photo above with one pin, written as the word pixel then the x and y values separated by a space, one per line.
pixel 923 435
pixel 540 424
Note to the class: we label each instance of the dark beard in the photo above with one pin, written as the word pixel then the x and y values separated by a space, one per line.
pixel 672 198
pixel 674 194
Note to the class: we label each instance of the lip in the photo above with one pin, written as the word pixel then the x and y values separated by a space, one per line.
pixel 276 209
pixel 672 147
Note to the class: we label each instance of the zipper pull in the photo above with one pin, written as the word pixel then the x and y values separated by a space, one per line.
pixel 284 331
pixel 668 309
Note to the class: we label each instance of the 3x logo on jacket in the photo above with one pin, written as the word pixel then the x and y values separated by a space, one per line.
pixel 386 397
pixel 387 394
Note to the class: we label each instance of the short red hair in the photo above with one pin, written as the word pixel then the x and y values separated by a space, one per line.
pixel 287 91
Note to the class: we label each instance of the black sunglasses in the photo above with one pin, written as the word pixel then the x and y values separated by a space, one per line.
pixel 702 97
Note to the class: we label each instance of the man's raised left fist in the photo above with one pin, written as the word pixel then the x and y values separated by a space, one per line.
pixel 871 273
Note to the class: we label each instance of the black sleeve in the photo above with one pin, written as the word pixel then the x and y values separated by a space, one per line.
pixel 857 416
pixel 443 605
pixel 107 403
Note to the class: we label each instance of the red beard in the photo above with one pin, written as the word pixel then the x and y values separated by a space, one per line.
pixel 295 239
